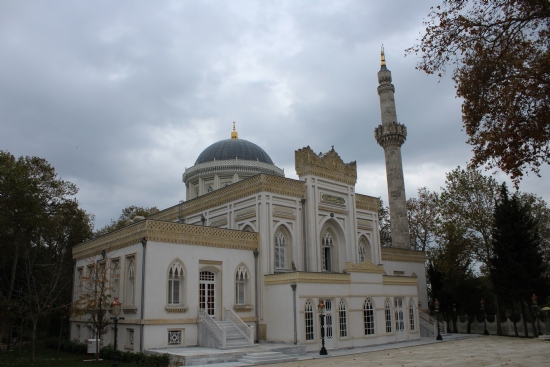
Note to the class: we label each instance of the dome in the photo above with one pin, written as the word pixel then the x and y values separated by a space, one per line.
pixel 233 148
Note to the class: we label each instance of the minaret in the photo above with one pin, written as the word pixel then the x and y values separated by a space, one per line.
pixel 390 136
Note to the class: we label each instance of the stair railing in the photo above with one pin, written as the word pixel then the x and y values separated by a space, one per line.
pixel 433 321
pixel 247 331
pixel 218 332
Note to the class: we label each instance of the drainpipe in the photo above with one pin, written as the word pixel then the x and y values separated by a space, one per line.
pixel 257 308
pixel 144 243
pixel 293 285
pixel 304 232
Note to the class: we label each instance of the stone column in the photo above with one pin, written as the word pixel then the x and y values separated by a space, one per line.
pixel 391 135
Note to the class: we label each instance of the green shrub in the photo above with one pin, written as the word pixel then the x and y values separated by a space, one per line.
pixel 67 346
pixel 137 359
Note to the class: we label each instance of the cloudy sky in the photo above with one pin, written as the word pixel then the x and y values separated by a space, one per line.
pixel 120 97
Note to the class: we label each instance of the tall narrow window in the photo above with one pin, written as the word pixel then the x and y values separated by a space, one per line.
pixel 326 251
pixel 241 285
pixel 361 251
pixel 309 321
pixel 80 280
pixel 368 316
pixel 343 319
pixel 387 314
pixel 411 315
pixel 280 250
pixel 175 282
pixel 130 283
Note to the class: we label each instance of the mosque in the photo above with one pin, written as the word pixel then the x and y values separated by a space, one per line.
pixel 250 254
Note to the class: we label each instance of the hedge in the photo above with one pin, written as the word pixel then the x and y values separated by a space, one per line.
pixel 137 359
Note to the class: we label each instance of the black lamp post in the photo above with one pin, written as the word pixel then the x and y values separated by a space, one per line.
pixel 436 304
pixel 536 310
pixel 321 309
pixel 485 332
pixel 116 311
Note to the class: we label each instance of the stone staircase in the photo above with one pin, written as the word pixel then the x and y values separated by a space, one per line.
pixel 233 336
pixel 428 326
pixel 266 358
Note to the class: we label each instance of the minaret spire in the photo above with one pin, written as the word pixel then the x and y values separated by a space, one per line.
pixel 391 135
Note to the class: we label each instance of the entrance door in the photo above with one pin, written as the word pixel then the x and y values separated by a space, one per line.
pixel 399 320
pixel 207 292
pixel 329 329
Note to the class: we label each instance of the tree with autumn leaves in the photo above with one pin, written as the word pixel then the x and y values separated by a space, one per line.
pixel 499 55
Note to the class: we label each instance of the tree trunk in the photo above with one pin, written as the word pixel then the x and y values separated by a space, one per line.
pixel 533 325
pixel 60 333
pixel 33 343
pixel 10 289
pixel 469 327
pixel 524 319
pixel 499 326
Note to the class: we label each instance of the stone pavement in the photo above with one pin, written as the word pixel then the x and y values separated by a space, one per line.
pixel 471 352
pixel 457 350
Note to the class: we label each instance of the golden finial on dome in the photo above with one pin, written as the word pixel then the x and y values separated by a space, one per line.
pixel 234 133
pixel 382 57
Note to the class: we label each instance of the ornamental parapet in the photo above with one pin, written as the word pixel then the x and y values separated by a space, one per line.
pixel 328 165
pixel 365 202
pixel 239 190
pixel 167 232
pixel 391 135
pixel 403 255
pixel 307 277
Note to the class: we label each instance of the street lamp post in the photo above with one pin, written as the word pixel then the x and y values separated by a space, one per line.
pixel 116 311
pixel 436 304
pixel 536 310
pixel 485 332
pixel 321 309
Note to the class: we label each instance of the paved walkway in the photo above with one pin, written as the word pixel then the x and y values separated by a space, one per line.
pixel 471 352
pixel 456 350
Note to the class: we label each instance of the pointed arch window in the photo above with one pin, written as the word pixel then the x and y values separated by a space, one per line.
pixel 362 255
pixel 280 250
pixel 411 315
pixel 368 317
pixel 364 250
pixel 309 320
pixel 387 314
pixel 343 319
pixel 115 276
pixel 130 283
pixel 175 283
pixel 241 285
pixel 327 251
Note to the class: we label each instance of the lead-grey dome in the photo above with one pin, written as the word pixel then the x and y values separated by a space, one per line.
pixel 231 149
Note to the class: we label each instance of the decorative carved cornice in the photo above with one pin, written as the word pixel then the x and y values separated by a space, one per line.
pixel 399 280
pixel 306 277
pixel 328 165
pixel 365 202
pixel 403 255
pixel 241 308
pixel 363 267
pixel 168 232
pixel 168 321
pixel 238 190
pixel 176 309
pixel 391 135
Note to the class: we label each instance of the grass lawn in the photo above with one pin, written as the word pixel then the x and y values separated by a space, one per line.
pixel 49 357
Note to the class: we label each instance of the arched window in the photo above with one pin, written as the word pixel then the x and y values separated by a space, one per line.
pixel 175 283
pixel 80 281
pixel 387 314
pixel 210 188
pixel 197 192
pixel 309 320
pixel 411 315
pixel 248 229
pixel 115 277
pixel 361 252
pixel 130 283
pixel 364 250
pixel 327 249
pixel 343 319
pixel 368 316
pixel 241 285
pixel 280 250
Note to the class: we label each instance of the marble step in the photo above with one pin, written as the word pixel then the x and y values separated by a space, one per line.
pixel 266 358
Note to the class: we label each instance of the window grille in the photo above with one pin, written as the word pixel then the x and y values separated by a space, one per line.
pixel 368 315
pixel 174 337
pixel 387 313
pixel 343 318
pixel 309 321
